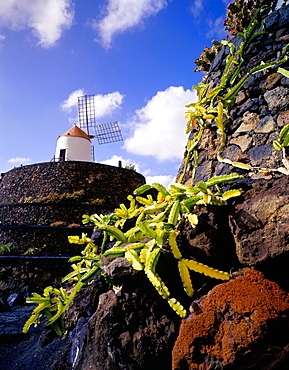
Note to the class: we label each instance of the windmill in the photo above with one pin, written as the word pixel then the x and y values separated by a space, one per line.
pixel 105 133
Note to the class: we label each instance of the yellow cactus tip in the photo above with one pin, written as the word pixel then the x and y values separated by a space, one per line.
pixel 208 116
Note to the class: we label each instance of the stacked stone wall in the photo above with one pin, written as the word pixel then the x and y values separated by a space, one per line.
pixel 48 213
pixel 260 111
pixel 30 274
pixel 43 240
pixel 26 202
pixel 110 183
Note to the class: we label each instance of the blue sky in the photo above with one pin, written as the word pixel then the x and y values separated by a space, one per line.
pixel 135 56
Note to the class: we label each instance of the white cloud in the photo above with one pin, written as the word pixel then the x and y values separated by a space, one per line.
pixel 18 160
pixel 114 160
pixel 159 127
pixel 2 38
pixel 216 28
pixel 72 100
pixel 47 18
pixel 197 8
pixel 165 180
pixel 121 15
pixel 104 105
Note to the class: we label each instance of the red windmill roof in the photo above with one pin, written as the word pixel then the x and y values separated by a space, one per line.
pixel 76 131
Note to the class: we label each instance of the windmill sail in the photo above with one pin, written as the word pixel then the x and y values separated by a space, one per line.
pixel 105 133
pixel 86 113
pixel 108 133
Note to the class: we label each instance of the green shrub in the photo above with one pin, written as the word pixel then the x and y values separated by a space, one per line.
pixel 7 248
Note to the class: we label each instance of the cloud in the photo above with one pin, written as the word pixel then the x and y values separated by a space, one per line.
pixel 121 15
pixel 18 160
pixel 115 159
pixel 165 180
pixel 72 100
pixel 216 28
pixel 159 127
pixel 197 8
pixel 2 38
pixel 47 18
pixel 104 105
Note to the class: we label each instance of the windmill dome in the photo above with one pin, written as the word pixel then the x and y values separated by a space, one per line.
pixel 76 131
pixel 73 145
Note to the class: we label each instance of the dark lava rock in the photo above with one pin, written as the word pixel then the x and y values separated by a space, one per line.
pixel 131 328
pixel 128 333
pixel 20 351
pixel 85 302
pixel 260 223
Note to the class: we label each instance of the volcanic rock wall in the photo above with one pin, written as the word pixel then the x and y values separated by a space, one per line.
pixel 112 184
pixel 30 204
pixel 261 108
pixel 258 220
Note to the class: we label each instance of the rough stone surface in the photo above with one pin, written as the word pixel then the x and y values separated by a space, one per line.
pixel 283 118
pixel 236 326
pixel 277 98
pixel 141 339
pixel 260 223
pixel 85 303
pixel 132 328
pixel 43 179
pixel 26 276
pixel 210 242
pixel 19 214
pixel 39 349
pixel 249 122
pixel 260 107
pixel 42 240
pixel 271 81
pixel 260 154
pixel 243 142
pixel 266 125
pixel 23 204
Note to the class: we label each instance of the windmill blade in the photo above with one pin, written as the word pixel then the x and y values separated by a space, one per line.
pixel 86 113
pixel 108 133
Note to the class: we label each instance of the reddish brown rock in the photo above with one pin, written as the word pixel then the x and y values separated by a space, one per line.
pixel 235 326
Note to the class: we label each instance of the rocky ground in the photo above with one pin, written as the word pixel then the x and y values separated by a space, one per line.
pixel 33 351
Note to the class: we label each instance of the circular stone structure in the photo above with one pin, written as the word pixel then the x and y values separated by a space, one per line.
pixel 112 184
pixel 35 200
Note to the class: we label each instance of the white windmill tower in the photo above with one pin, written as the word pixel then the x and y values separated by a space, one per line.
pixel 75 144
